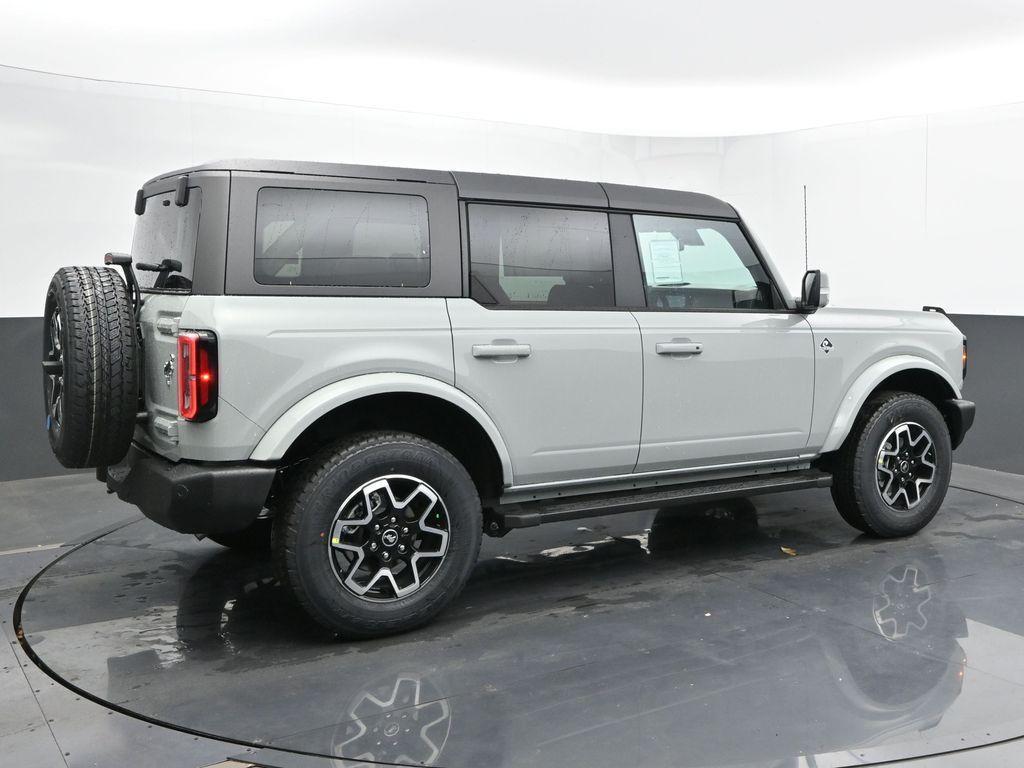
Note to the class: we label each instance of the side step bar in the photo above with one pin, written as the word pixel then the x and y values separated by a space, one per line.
pixel 527 514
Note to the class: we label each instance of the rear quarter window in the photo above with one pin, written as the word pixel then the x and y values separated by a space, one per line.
pixel 341 238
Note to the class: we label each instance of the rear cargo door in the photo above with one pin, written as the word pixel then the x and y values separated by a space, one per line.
pixel 165 230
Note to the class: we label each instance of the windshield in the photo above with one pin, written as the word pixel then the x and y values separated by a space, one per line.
pixel 167 231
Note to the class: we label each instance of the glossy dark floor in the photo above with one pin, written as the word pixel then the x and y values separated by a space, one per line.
pixel 746 632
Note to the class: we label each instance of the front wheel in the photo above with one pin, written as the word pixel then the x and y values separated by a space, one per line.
pixel 892 473
pixel 378 533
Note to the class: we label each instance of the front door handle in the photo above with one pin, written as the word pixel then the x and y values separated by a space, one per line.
pixel 679 347
pixel 508 351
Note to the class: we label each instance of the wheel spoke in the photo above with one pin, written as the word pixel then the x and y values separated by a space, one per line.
pixel 381 533
pixel 53 368
pixel 903 469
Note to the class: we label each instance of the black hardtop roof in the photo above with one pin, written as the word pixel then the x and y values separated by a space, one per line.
pixel 496 187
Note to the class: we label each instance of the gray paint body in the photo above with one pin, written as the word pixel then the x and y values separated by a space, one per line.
pixel 586 399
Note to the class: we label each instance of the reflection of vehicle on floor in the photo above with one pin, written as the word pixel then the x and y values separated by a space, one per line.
pixel 887 665
pixel 892 667
pixel 398 719
pixel 882 669
pixel 908 610
pixel 229 613
pixel 899 606
pixel 369 367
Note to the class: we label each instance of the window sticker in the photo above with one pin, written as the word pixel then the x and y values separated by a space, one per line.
pixel 666 261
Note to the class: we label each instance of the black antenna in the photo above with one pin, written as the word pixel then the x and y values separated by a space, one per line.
pixel 806 262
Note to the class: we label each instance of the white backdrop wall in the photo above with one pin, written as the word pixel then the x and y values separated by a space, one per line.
pixel 901 212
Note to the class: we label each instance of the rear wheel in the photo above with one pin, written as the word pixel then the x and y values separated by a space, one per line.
pixel 90 366
pixel 378 534
pixel 893 471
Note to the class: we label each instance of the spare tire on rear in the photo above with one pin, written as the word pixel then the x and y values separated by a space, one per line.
pixel 90 366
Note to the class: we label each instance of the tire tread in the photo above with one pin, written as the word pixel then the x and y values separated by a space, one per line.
pixel 299 490
pixel 847 493
pixel 100 366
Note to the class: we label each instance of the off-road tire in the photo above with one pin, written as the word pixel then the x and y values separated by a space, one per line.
pixel 100 352
pixel 855 487
pixel 302 531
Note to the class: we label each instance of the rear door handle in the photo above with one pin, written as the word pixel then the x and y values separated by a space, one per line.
pixel 498 351
pixel 679 347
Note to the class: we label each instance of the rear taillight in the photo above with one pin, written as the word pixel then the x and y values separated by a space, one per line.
pixel 197 375
pixel 964 377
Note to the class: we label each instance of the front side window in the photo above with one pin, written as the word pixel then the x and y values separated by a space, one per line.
pixel 167 231
pixel 330 237
pixel 545 258
pixel 699 264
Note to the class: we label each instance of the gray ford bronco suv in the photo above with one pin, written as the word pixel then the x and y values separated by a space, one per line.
pixel 363 369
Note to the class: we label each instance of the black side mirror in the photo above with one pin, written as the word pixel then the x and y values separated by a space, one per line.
pixel 814 291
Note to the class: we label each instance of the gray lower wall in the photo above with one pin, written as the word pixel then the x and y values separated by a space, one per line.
pixel 995 370
pixel 995 373
pixel 24 449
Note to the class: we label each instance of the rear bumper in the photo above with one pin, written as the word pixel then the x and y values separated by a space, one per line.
pixel 191 497
pixel 959 416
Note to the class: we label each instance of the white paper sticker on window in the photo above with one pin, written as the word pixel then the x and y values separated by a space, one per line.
pixel 666 261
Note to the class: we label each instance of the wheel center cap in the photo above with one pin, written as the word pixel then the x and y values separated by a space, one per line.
pixel 904 466
pixel 389 537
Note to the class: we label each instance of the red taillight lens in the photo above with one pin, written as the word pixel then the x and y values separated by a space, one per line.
pixel 197 375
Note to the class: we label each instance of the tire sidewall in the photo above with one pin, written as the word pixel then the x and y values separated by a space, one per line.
pixel 879 515
pixel 330 601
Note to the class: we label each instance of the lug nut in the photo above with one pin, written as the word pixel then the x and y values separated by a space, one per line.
pixel 401 548
pixel 373 546
pixel 376 528
pixel 404 529
pixel 393 521
pixel 385 556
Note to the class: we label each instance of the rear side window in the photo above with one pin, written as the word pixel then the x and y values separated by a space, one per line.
pixel 330 237
pixel 544 258
pixel 699 264
pixel 167 231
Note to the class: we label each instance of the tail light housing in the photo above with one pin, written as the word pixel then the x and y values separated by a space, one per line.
pixel 197 375
pixel 964 377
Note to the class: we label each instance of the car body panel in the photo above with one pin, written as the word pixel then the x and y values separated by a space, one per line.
pixel 865 384
pixel 569 409
pixel 158 328
pixel 864 347
pixel 227 437
pixel 745 397
pixel 291 424
pixel 275 350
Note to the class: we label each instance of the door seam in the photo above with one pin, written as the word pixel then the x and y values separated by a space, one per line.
pixel 643 390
